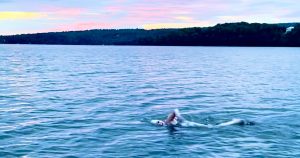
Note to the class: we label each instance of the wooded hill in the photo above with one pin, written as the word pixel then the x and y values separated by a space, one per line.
pixel 228 34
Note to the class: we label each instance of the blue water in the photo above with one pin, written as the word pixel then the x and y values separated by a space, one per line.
pixel 96 101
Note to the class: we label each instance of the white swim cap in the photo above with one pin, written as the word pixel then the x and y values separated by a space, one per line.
pixel 158 122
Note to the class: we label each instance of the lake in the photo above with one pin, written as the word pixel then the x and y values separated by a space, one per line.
pixel 97 101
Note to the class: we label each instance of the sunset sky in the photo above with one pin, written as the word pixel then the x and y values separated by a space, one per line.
pixel 30 16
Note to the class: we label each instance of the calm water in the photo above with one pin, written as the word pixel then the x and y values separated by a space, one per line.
pixel 96 101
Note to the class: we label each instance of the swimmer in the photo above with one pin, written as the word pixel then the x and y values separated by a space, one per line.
pixel 172 120
pixel 175 119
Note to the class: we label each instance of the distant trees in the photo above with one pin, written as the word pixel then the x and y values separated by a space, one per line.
pixel 228 34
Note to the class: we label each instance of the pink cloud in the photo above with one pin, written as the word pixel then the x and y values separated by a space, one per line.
pixel 144 14
pixel 62 13
pixel 82 26
pixel 155 11
pixel 71 12
pixel 131 16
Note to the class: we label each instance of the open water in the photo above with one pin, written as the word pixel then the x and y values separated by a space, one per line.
pixel 96 101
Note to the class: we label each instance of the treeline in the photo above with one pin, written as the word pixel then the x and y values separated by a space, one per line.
pixel 229 34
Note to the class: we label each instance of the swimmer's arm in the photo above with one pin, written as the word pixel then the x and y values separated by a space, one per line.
pixel 170 118
pixel 178 115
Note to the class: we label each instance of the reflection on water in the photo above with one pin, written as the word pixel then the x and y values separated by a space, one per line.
pixel 96 101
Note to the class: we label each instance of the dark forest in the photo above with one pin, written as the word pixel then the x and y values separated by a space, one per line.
pixel 228 34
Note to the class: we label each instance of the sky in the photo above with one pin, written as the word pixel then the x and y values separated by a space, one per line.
pixel 33 16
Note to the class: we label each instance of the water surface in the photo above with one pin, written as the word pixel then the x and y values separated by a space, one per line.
pixel 96 101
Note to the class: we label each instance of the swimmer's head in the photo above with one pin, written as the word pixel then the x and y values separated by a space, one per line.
pixel 158 122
